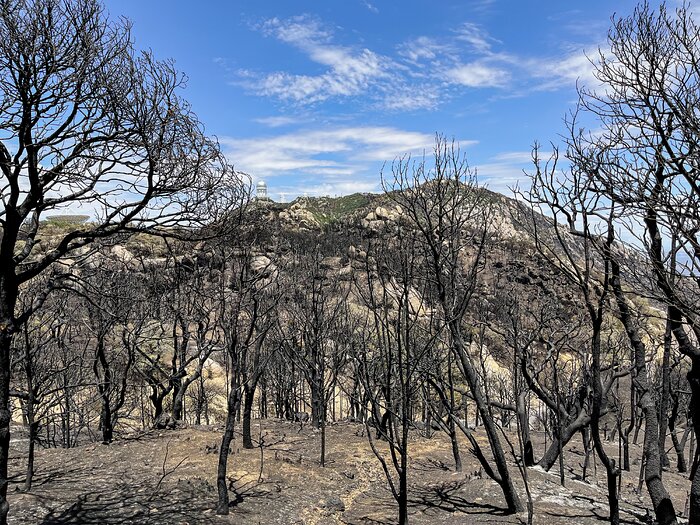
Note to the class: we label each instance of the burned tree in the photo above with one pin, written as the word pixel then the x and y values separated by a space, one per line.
pixel 312 330
pixel 450 214
pixel 397 336
pixel 244 320
pixel 87 120
pixel 642 161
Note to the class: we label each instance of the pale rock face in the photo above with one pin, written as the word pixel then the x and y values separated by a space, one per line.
pixel 261 264
pixel 297 216
pixel 154 263
pixel 382 213
pixel 377 220
pixel 122 254
pixel 502 225
pixel 373 221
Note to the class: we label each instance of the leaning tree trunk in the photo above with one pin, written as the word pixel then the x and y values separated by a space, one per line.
pixel 505 481
pixel 232 405
pixel 551 455
pixel 248 397
pixel 687 348
pixel 663 507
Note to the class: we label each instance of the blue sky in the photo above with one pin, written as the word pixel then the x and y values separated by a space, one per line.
pixel 314 96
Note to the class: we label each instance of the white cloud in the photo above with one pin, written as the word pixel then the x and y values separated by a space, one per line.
pixel 482 6
pixel 277 121
pixel 370 7
pixel 302 31
pixel 312 149
pixel 505 171
pixel 478 75
pixel 413 97
pixel 517 157
pixel 565 71
pixel 425 48
pixel 478 39
pixel 414 78
pixel 349 71
pixel 421 74
pixel 343 157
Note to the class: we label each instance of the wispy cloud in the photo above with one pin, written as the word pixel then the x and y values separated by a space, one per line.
pixel 475 37
pixel 482 6
pixel 416 77
pixel 410 98
pixel 566 70
pixel 421 73
pixel 478 75
pixel 424 48
pixel 370 7
pixel 348 71
pixel 326 157
pixel 505 171
pixel 278 121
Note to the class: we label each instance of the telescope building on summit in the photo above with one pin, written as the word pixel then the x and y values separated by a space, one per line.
pixel 261 191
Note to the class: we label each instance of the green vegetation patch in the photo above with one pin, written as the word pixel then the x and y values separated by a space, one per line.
pixel 327 209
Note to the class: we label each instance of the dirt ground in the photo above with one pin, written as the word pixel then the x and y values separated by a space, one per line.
pixel 168 477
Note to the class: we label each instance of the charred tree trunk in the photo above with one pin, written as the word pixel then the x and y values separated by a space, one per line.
pixel 611 469
pixel 33 435
pixel 694 380
pixel 248 397
pixel 103 374
pixel 316 402
pixel 403 491
pixel 179 401
pixel 323 435
pixel 586 440
pixel 504 480
pixel 178 372
pixel 233 402
pixel 665 400
pixel 625 434
pixel 30 408
pixel 157 402
pixel 452 427
pixel 663 507
pixel 568 432
pixel 528 452
pixel 6 332
pixel 678 445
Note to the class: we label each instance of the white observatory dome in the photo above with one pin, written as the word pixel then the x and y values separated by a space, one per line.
pixel 261 190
